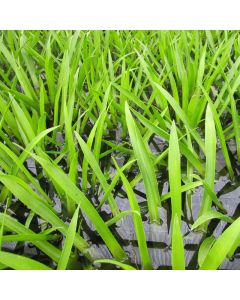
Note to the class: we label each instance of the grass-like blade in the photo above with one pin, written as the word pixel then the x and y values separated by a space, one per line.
pixel 99 174
pixel 220 249
pixel 204 249
pixel 67 247
pixel 57 175
pixel 182 115
pixel 174 170
pixel 137 220
pixel 209 216
pixel 13 225
pixel 145 165
pixel 174 173
pixel 178 259
pixel 121 215
pixel 236 125
pixel 210 145
pixel 116 263
pixel 220 133
pixel 19 262
pixel 28 197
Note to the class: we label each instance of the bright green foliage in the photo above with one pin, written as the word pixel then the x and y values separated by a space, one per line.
pixel 229 239
pixel 19 262
pixel 145 165
pixel 88 118
pixel 117 263
pixel 176 201
pixel 66 251
pixel 210 145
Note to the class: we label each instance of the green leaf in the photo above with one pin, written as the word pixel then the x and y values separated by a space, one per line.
pixel 137 221
pixel 142 154
pixel 19 262
pixel 13 225
pixel 204 249
pixel 67 247
pixel 210 145
pixel 71 190
pixel 114 262
pixel 190 155
pixel 236 125
pixel 178 260
pixel 229 238
pixel 174 173
pixel 121 215
pixel 209 215
pixel 28 197
pixel 220 133
pixel 182 115
pixel 99 174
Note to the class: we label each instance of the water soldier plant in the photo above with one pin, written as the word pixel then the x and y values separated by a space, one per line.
pixel 119 150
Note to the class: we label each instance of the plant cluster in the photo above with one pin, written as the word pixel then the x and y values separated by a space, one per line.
pixel 89 116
